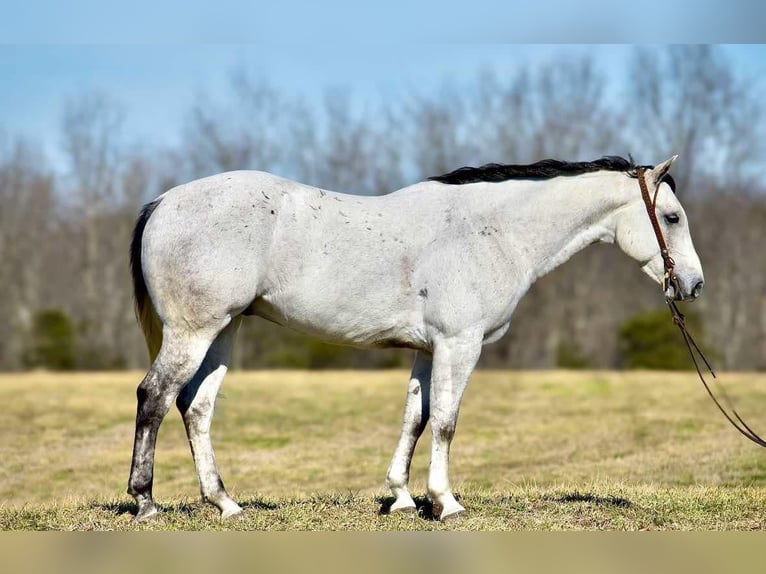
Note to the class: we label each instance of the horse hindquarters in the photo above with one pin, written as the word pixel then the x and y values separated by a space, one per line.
pixel 186 313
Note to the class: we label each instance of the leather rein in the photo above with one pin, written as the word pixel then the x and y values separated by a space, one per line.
pixel 671 280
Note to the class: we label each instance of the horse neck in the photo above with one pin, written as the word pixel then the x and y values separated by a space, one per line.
pixel 560 217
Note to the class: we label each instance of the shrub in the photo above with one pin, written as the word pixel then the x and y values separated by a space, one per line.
pixel 571 356
pixel 52 343
pixel 99 358
pixel 652 341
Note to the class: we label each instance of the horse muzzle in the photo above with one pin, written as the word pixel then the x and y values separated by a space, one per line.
pixel 675 290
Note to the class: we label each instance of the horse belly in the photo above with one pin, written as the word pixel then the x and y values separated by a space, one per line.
pixel 359 322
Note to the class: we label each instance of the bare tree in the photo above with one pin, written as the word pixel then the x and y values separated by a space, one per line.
pixel 557 109
pixel 245 132
pixel 63 234
pixel 106 183
pixel 27 221
pixel 688 100
pixel 437 139
pixel 356 151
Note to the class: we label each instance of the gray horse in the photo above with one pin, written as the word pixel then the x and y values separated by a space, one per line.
pixel 437 267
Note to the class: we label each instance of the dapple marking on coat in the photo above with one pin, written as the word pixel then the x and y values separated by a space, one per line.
pixel 437 267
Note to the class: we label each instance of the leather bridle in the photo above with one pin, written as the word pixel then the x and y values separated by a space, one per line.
pixel 671 279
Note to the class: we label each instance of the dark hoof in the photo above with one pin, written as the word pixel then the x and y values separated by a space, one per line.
pixel 145 513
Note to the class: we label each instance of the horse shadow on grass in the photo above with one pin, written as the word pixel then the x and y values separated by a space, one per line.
pixel 423 507
pixel 117 508
pixel 615 501
pixel 179 508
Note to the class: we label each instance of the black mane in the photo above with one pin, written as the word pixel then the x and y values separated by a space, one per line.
pixel 545 169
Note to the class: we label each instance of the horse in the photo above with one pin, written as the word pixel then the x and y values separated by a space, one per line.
pixel 437 267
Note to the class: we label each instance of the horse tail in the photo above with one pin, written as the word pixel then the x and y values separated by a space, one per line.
pixel 145 312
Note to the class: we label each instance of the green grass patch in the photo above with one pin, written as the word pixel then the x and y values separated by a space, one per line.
pixel 603 506
pixel 304 450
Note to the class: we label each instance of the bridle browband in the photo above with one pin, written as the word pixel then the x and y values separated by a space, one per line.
pixel 671 279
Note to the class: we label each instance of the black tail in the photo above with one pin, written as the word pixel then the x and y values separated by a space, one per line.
pixel 147 317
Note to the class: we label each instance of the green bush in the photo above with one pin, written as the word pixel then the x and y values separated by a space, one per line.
pixel 570 356
pixel 99 358
pixel 52 343
pixel 652 341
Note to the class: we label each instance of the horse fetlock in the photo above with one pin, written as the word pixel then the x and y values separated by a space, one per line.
pixel 221 500
pixel 397 483
pixel 445 505
pixel 140 488
pixel 443 500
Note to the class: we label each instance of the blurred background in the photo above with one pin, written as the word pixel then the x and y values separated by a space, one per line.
pixel 90 133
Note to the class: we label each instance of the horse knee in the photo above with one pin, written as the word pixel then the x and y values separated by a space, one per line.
pixel 443 429
pixel 153 400
pixel 165 381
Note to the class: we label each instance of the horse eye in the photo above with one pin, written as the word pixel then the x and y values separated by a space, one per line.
pixel 672 218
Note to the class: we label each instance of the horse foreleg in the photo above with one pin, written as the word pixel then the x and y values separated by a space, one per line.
pixel 196 402
pixel 454 360
pixel 416 413
pixel 178 360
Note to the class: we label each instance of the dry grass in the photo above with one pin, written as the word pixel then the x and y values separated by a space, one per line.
pixel 309 450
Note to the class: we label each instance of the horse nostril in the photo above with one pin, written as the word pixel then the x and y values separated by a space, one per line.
pixel 697 289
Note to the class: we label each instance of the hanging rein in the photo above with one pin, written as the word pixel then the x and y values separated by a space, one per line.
pixel 671 280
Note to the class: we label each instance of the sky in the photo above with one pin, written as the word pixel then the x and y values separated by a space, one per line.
pixel 158 84
pixel 352 22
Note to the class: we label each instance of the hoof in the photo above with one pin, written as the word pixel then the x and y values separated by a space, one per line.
pixel 145 513
pixel 233 512
pixel 452 514
pixel 403 504
pixel 403 509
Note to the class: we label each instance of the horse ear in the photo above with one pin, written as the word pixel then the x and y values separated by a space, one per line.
pixel 658 172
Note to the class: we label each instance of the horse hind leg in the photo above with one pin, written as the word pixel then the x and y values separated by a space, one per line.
pixel 196 402
pixel 179 359
pixel 416 413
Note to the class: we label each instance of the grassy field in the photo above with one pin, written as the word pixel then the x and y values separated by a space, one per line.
pixel 309 450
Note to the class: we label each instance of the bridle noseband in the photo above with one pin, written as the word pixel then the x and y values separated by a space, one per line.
pixel 671 279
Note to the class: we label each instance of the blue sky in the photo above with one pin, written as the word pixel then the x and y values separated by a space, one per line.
pixel 352 22
pixel 157 84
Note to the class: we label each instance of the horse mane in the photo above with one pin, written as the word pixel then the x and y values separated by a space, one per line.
pixel 544 169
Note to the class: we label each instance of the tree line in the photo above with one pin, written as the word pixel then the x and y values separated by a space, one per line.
pixel 65 290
